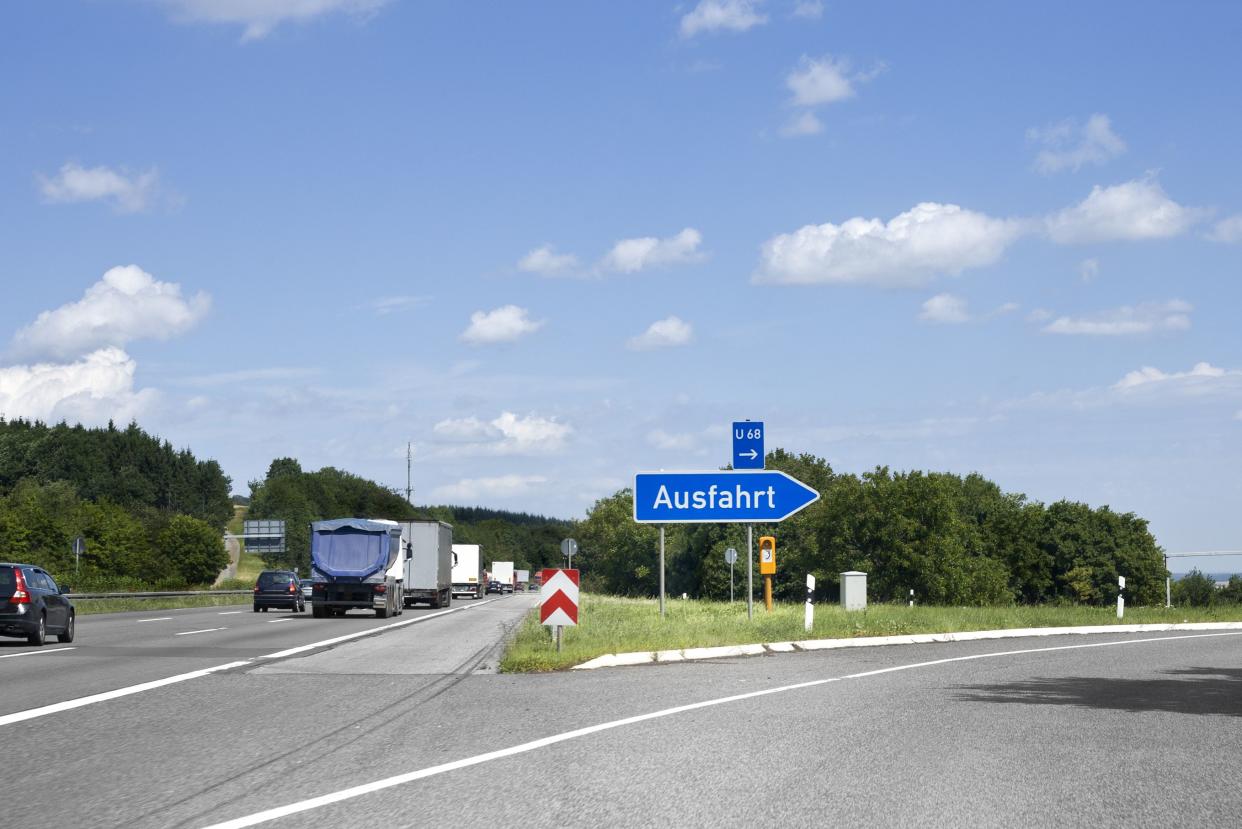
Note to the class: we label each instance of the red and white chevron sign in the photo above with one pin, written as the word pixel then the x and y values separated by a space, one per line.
pixel 560 597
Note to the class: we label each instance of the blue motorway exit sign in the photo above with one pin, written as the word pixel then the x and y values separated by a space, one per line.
pixel 726 497
pixel 747 444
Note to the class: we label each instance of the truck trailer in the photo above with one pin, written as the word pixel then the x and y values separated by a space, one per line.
pixel 468 574
pixel 353 567
pixel 428 562
pixel 502 572
pixel 521 579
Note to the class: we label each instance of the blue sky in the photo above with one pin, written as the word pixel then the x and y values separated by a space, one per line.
pixel 553 244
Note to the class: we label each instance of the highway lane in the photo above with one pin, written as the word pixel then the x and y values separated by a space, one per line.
pixel 118 650
pixel 1131 734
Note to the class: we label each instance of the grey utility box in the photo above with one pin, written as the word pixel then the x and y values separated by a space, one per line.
pixel 854 590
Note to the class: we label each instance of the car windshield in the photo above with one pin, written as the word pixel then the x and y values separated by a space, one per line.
pixel 275 579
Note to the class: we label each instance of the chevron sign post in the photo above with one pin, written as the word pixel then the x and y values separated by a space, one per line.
pixel 559 594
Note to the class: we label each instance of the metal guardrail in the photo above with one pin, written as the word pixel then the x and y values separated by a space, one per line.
pixel 162 595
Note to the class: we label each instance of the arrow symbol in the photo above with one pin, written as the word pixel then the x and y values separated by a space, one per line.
pixel 752 454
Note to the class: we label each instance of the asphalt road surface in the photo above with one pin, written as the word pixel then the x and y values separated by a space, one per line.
pixel 1113 730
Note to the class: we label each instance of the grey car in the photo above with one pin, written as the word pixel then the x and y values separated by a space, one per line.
pixel 32 606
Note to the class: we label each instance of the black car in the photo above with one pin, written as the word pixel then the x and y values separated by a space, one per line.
pixel 495 587
pixel 278 588
pixel 31 605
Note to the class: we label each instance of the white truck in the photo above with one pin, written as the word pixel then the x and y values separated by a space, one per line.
pixel 428 547
pixel 502 574
pixel 522 579
pixel 468 578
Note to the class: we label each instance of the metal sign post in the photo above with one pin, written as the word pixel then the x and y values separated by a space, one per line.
pixel 79 547
pixel 730 556
pixel 661 572
pixel 750 572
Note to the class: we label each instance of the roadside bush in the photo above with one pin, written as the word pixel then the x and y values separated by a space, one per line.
pixel 1194 590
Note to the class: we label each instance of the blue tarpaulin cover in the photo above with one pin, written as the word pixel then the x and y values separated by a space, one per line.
pixel 353 548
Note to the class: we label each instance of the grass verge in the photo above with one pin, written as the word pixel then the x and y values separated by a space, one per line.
pixel 608 624
pixel 248 568
pixel 91 607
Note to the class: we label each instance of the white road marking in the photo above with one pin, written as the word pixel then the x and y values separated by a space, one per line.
pixel 192 632
pixel 367 632
pixel 274 621
pixel 432 771
pixel 34 653
pixel 160 619
pixel 68 705
pixel 229 613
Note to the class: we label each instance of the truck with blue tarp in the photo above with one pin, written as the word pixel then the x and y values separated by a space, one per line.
pixel 356 565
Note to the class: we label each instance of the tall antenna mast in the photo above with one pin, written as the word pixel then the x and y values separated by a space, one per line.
pixel 409 462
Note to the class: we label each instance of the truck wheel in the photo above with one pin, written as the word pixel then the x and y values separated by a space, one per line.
pixel 317 611
pixel 448 599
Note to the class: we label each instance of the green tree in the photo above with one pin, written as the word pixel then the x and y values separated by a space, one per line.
pixel 1194 590
pixel 194 549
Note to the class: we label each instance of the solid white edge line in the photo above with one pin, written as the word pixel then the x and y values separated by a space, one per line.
pixel 34 653
pixel 192 632
pixel 432 771
pixel 614 660
pixel 357 634
pixel 67 705
pixel 230 612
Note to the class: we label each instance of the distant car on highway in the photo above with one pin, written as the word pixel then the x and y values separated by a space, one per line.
pixel 278 588
pixel 308 588
pixel 31 605
pixel 495 587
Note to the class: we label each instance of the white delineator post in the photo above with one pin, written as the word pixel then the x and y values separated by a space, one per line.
pixel 809 621
pixel 1121 599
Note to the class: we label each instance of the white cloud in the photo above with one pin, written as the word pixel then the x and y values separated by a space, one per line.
pixel 126 304
pixel 631 255
pixel 1004 308
pixel 1146 318
pixel 508 434
pixel 665 333
pixel 1227 230
pixel 502 325
pixel 392 304
pixel 802 124
pixel 478 489
pixel 1134 210
pixel 1039 315
pixel 1147 375
pixel 91 390
pixel 128 193
pixel 910 249
pixel 945 308
pixel 1068 147
pixel 1089 269
pixel 720 15
pixel 545 260
pixel 809 9
pixel 821 81
pixel 680 442
pixel 260 17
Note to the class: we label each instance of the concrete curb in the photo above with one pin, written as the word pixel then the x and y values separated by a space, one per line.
pixel 613 660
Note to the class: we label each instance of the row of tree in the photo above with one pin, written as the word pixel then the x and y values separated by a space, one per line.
pixel 150 516
pixel 127 467
pixel 298 497
pixel 952 540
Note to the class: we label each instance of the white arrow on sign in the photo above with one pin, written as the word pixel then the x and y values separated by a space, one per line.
pixel 752 454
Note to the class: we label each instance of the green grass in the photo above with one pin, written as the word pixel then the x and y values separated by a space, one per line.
pixel 91 607
pixel 248 568
pixel 608 624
